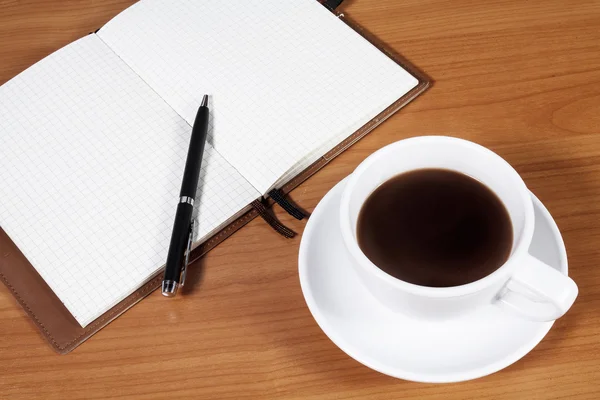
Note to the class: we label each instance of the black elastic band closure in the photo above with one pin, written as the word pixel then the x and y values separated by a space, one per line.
pixel 279 198
pixel 271 220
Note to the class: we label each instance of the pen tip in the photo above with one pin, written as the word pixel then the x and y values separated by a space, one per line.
pixel 204 101
pixel 169 288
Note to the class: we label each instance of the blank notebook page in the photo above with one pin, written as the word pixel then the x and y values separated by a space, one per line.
pixel 90 168
pixel 288 77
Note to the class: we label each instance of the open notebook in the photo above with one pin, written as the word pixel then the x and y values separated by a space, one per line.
pixel 94 137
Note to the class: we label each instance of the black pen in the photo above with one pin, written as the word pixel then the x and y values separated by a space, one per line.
pixel 181 239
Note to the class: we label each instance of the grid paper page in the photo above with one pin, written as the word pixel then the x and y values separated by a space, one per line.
pixel 91 161
pixel 287 77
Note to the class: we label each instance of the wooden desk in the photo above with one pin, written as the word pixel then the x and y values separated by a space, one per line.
pixel 520 77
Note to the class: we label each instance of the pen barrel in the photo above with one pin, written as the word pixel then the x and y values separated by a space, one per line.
pixel 193 164
pixel 179 240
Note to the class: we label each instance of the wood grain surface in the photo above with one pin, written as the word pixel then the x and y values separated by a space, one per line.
pixel 521 77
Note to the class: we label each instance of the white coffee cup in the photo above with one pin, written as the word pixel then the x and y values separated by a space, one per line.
pixel 523 284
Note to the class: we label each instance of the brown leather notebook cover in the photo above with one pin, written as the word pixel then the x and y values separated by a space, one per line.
pixel 56 323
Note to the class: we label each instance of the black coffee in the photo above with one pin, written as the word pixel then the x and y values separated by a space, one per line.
pixel 435 227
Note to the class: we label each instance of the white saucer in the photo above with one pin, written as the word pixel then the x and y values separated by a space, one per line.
pixel 468 347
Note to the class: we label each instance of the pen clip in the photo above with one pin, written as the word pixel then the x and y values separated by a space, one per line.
pixel 187 254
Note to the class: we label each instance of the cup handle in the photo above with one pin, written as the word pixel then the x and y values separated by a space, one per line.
pixel 538 292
